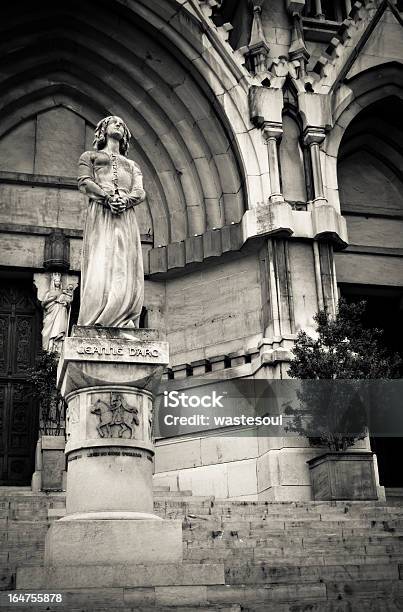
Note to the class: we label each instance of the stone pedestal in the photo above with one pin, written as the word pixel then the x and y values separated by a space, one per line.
pixel 110 547
pixel 109 448
pixel 108 377
pixel 113 542
pixel 50 474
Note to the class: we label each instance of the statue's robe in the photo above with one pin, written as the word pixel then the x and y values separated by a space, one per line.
pixel 112 277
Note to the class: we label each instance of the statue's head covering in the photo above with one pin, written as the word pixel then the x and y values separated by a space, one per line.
pixel 100 136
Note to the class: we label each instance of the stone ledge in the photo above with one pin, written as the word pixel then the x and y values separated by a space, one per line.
pixel 277 220
pixel 329 225
pixel 123 443
pixel 42 230
pixel 195 249
pixel 233 364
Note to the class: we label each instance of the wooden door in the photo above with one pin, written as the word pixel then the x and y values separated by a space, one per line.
pixel 20 321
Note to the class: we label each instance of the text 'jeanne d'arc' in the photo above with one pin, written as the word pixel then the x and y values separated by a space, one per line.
pixel 132 351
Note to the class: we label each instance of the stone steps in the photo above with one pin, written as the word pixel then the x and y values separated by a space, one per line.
pixel 280 556
pixel 297 560
pixel 211 509
pixel 373 604
pixel 365 605
pixel 335 594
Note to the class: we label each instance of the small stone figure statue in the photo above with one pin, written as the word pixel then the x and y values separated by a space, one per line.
pixel 56 308
pixel 112 278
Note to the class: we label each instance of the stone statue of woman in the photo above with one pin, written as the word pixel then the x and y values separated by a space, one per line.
pixel 56 304
pixel 112 278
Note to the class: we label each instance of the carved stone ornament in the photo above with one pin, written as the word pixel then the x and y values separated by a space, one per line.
pixel 116 417
pixel 55 292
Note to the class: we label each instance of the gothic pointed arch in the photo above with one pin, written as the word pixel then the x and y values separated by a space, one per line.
pixel 149 62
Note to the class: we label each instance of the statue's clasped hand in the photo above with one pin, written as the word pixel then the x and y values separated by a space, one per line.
pixel 117 204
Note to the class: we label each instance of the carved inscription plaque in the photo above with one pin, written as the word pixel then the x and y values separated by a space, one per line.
pixel 115 350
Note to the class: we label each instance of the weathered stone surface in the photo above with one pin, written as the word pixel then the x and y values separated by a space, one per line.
pixel 17 148
pixel 120 575
pixel 268 219
pixel 94 542
pixel 181 595
pixel 169 457
pixel 59 139
pixel 53 462
pixel 265 566
pixel 18 250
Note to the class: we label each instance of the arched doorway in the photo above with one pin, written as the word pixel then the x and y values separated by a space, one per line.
pixel 370 177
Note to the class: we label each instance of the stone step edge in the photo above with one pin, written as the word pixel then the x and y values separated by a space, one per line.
pixel 25 493
pixel 246 596
pixel 339 560
pixel 60 512
pixel 313 605
pixel 119 575
pixel 143 576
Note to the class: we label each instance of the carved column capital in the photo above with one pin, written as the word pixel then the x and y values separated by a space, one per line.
pixel 314 135
pixel 265 106
pixel 272 131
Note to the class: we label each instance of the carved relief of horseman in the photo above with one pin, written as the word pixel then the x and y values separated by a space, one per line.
pixel 117 413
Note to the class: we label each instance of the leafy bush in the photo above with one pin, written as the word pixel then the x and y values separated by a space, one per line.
pixel 343 350
pixel 52 406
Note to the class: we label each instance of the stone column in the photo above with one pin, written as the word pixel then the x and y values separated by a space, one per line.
pixel 318 10
pixel 272 134
pixel 108 377
pixel 277 297
pixel 313 138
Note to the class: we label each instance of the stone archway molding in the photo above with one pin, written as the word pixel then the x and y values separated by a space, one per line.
pixel 349 100
pixel 214 162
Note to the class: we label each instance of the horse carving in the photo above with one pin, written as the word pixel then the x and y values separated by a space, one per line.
pixel 118 413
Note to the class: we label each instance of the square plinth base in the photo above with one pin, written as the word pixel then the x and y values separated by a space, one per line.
pixel 109 542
